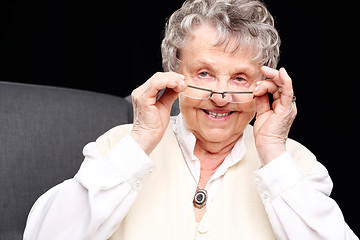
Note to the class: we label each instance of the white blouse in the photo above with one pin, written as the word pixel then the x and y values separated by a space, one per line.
pixel 89 205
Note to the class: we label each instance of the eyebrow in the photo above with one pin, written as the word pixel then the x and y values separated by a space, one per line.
pixel 203 61
pixel 210 65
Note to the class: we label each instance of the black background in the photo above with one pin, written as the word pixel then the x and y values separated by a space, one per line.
pixel 114 46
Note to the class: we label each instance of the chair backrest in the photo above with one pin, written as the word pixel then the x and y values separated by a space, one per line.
pixel 42 133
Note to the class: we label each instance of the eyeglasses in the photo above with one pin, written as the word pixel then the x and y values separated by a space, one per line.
pixel 198 89
pixel 229 96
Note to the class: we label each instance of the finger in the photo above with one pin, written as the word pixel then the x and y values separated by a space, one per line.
pixel 287 93
pixel 164 80
pixel 262 104
pixel 268 86
pixel 271 73
pixel 264 87
pixel 284 83
pixel 168 97
pixel 171 93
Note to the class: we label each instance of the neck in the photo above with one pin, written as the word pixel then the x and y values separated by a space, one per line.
pixel 212 154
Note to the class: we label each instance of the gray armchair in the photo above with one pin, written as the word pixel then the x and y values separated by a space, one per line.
pixel 42 133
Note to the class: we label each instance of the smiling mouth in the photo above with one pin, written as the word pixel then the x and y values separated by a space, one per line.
pixel 217 115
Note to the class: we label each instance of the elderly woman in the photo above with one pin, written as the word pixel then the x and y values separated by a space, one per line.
pixel 206 173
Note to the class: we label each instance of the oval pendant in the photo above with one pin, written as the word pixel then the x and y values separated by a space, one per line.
pixel 200 198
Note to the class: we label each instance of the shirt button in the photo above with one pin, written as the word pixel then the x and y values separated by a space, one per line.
pixel 138 184
pixel 150 170
pixel 266 195
pixel 257 180
pixel 203 228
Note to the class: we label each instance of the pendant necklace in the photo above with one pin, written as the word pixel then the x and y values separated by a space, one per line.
pixel 201 196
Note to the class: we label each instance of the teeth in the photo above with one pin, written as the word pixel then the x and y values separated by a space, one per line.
pixel 217 115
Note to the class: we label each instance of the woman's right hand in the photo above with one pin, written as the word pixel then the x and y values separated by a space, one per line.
pixel 152 116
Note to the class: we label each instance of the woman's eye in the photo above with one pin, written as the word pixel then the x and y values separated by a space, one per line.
pixel 204 74
pixel 240 79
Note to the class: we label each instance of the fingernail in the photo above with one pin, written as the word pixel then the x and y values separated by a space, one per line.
pixel 257 86
pixel 182 84
pixel 182 76
pixel 266 67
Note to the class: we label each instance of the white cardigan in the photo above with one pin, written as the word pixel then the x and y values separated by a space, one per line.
pixel 164 210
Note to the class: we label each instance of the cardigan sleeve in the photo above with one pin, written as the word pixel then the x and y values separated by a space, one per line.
pixel 93 203
pixel 298 205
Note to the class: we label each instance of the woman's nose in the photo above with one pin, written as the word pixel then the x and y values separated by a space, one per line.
pixel 218 99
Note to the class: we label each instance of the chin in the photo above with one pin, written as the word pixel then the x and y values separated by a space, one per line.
pixel 217 135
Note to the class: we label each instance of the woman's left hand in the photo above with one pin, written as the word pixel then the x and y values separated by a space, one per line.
pixel 272 126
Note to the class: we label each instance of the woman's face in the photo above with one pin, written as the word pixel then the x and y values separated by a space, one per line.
pixel 216 120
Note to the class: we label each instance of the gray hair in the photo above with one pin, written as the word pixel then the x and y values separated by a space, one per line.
pixel 247 21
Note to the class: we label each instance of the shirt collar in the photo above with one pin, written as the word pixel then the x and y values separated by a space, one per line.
pixel 185 138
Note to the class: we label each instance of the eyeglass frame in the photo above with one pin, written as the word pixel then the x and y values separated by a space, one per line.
pixel 211 91
pixel 223 94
